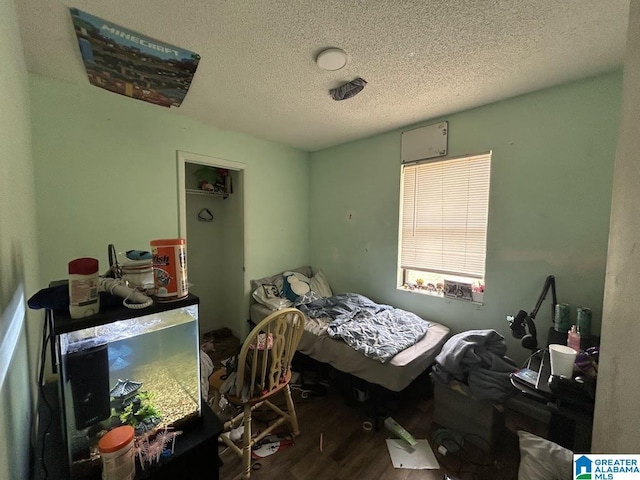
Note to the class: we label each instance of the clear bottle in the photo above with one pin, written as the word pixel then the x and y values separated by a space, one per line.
pixel 573 338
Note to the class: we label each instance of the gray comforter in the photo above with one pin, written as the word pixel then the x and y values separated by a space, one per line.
pixel 378 331
pixel 477 358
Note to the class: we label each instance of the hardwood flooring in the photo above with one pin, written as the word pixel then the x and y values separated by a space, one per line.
pixel 349 451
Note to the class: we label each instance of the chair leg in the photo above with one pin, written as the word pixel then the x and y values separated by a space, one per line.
pixel 246 443
pixel 215 406
pixel 293 418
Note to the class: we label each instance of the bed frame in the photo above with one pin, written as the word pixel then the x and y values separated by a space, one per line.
pixel 394 375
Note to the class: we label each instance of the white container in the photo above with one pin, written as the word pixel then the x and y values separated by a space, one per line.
pixel 116 451
pixel 84 298
pixel 562 360
pixel 170 268
pixel 139 274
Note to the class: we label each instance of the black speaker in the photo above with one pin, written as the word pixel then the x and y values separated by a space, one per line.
pixel 88 373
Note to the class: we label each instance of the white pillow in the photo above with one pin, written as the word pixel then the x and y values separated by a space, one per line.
pixel 320 285
pixel 541 459
pixel 269 296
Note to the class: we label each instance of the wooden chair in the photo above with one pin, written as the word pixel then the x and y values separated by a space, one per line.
pixel 264 369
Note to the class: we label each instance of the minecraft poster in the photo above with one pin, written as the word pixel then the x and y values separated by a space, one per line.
pixel 128 63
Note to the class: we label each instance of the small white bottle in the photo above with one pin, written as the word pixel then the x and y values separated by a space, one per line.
pixel 573 339
pixel 84 299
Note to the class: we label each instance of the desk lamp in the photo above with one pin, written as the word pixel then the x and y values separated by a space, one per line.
pixel 523 321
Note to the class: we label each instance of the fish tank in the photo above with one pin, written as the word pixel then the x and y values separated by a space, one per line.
pixel 126 367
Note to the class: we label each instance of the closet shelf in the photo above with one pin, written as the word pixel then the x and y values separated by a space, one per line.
pixel 195 191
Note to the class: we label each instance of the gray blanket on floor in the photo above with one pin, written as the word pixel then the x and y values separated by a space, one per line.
pixel 477 358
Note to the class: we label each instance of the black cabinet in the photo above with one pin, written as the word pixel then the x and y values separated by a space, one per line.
pixel 110 362
pixel 196 449
pixel 570 403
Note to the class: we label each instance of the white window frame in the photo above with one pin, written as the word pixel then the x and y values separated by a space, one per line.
pixel 444 209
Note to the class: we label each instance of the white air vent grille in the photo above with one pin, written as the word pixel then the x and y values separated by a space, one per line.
pixel 425 142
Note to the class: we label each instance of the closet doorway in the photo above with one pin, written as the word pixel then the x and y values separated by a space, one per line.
pixel 211 217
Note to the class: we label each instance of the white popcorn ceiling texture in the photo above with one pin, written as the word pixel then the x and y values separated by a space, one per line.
pixel 422 59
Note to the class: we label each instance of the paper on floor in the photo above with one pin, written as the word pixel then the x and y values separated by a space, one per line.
pixel 420 456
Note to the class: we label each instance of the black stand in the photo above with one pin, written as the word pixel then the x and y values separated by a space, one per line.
pixel 196 449
pixel 571 410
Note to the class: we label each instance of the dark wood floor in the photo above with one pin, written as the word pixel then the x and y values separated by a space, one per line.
pixel 351 452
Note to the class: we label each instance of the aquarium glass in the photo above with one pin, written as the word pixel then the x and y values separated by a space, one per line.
pixel 142 371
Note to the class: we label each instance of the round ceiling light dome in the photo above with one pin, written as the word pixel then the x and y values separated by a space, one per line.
pixel 331 59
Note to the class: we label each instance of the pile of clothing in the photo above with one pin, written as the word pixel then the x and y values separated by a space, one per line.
pixel 477 358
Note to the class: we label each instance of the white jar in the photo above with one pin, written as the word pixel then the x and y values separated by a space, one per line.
pixel 116 451
pixel 139 274
pixel 84 298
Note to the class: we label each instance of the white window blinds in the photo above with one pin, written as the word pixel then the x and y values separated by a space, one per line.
pixel 444 210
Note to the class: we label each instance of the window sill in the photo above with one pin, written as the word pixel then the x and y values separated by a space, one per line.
pixel 477 297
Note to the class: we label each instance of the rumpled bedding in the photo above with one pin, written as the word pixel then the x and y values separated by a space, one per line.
pixel 377 331
pixel 478 359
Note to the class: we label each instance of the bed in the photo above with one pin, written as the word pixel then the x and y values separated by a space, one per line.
pixel 392 370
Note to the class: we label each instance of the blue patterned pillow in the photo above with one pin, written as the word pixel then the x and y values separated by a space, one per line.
pixel 308 297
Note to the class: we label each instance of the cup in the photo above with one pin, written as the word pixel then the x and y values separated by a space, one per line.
pixel 562 317
pixel 562 360
pixel 584 322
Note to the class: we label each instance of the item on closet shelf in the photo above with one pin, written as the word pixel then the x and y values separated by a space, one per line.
pixel 84 299
pixel 213 179
pixel 170 268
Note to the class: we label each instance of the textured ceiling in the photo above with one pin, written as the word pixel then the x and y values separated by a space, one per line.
pixel 421 58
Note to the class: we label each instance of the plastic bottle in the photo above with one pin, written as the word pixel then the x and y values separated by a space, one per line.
pixel 573 339
pixel 84 299
pixel 116 451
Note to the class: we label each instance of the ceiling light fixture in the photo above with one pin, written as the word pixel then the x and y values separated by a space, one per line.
pixel 331 59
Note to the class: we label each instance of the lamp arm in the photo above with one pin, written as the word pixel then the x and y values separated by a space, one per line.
pixel 549 283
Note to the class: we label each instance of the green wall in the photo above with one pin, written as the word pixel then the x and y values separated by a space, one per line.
pixel 106 172
pixel 551 180
pixel 19 327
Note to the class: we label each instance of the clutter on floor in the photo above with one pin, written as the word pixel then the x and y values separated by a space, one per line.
pixel 419 456
pixel 221 344
pixel 406 451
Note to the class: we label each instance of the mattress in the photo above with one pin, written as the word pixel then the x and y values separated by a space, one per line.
pixel 395 375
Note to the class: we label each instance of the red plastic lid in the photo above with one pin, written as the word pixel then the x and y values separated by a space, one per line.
pixel 83 266
pixel 115 439
pixel 169 241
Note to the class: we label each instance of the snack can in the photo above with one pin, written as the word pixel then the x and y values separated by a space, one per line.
pixel 170 268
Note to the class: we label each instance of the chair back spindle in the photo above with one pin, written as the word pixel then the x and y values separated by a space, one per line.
pixel 267 352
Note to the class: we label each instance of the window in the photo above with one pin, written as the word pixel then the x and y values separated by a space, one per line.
pixel 443 222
